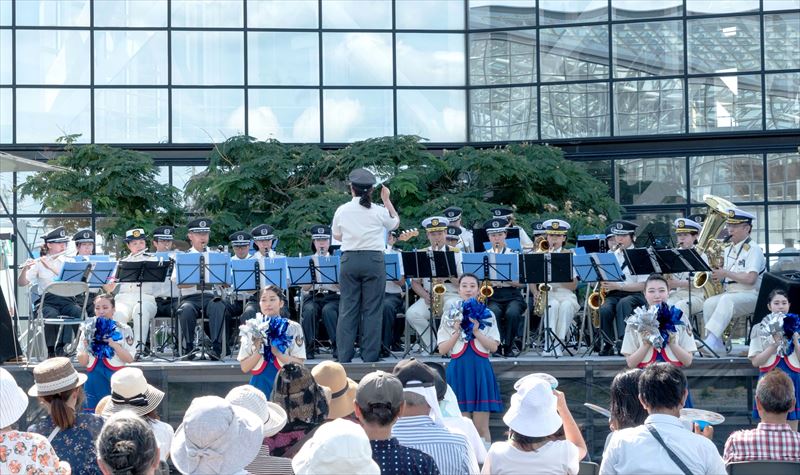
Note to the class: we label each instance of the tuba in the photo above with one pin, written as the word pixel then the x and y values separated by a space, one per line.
pixel 708 243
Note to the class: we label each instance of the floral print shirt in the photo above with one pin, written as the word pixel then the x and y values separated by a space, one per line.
pixel 27 453
pixel 76 444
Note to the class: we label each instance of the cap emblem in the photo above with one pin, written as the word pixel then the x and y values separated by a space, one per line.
pixel 681 223
pixel 497 212
pixel 240 238
pixel 320 230
pixel 202 224
pixel 618 226
pixel 167 231
pixel 136 233
pixel 495 224
pixel 62 233
pixel 731 213
pixel 555 225
pixel 86 235
pixel 434 222
pixel 264 232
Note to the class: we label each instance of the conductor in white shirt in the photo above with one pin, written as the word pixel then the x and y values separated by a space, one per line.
pixel 662 392
pixel 361 227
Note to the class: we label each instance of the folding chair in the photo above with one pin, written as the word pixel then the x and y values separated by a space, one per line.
pixel 36 341
pixel 588 468
pixel 764 466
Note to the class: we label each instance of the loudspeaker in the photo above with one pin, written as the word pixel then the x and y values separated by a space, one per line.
pixel 788 281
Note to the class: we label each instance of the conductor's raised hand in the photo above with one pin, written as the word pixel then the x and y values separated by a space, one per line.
pixel 385 193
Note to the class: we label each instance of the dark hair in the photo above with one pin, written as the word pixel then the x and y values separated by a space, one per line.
pixel 274 289
pixel 775 392
pixel 662 386
pixel 656 277
pixel 526 443
pixel 126 445
pixel 467 275
pixel 108 297
pixel 364 193
pixel 380 413
pixel 64 416
pixel 776 292
pixel 626 410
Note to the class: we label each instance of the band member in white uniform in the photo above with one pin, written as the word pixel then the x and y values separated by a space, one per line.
pixel 320 301
pixel 611 240
pixel 167 293
pixel 245 303
pixel 508 214
pixel 127 300
pixel 561 299
pixel 465 240
pixel 418 315
pixel 538 234
pixel 84 246
pixel 393 303
pixel 740 277
pixel 264 239
pixel 686 231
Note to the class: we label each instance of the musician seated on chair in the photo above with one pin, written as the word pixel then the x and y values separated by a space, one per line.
pixel 507 302
pixel 244 305
pixel 320 301
pixel 393 304
pixel 465 240
pixel 611 240
pixel 686 231
pixel 129 307
pixel 264 241
pixel 561 299
pixel 84 247
pixel 506 213
pixel 740 277
pixel 621 297
pixel 166 294
pixel 194 300
pixel 42 272
pixel 418 315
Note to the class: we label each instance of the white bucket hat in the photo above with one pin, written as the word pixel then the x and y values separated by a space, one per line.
pixel 129 390
pixel 272 415
pixel 14 400
pixel 533 411
pixel 339 446
pixel 215 437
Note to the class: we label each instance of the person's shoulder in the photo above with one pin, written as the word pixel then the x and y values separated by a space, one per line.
pixel 89 421
pixel 499 447
pixel 416 454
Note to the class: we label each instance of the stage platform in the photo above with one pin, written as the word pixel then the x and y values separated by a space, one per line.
pixel 723 385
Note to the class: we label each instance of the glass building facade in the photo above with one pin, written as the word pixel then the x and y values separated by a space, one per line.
pixel 665 100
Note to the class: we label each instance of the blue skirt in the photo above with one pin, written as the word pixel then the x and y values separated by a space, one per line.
pixel 98 384
pixel 795 377
pixel 689 403
pixel 264 379
pixel 472 379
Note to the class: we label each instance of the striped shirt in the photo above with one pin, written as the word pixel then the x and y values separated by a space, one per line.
pixel 266 464
pixel 775 442
pixel 450 451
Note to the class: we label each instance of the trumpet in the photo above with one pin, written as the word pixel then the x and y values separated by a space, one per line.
pixel 486 291
pixel 543 246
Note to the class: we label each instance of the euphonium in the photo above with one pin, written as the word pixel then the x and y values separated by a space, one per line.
pixel 486 291
pixel 708 244
pixel 437 298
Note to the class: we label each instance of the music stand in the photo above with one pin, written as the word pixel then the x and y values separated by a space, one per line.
pixel 393 266
pixel 596 268
pixel 429 265
pixel 75 271
pixel 100 272
pixel 195 268
pixel 312 270
pixel 138 273
pixel 546 268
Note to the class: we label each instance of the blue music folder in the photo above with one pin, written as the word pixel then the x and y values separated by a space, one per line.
pixel 99 258
pixel 101 272
pixel 273 272
pixel 605 262
pixel 243 274
pixel 74 271
pixel 394 266
pixel 326 269
pixel 500 267
pixel 512 243
pixel 188 267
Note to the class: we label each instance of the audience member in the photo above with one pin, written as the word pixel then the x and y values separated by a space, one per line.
pixel 536 415
pixel 421 426
pixel 273 418
pixel 22 452
pixel 378 404
pixel 305 405
pixel 71 432
pixel 773 439
pixel 662 445
pixel 216 437
pixel 337 447
pixel 626 410
pixel 130 391
pixel 343 389
pixel 127 446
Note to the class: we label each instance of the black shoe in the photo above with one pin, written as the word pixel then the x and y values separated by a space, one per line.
pixel 189 356
pixel 213 355
pixel 607 350
pixel 384 353
pixel 397 347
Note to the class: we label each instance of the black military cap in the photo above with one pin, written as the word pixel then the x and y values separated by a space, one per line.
pixel 84 235
pixel 263 232
pixel 623 227
pixel 56 235
pixel 164 233
pixel 199 225
pixel 362 177
pixel 496 225
pixel 453 232
pixel 502 212
pixel 320 231
pixel 537 227
pixel 453 213
pixel 240 238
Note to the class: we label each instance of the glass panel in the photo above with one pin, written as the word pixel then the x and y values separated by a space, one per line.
pixel 53 13
pixel 651 181
pixel 6 128
pixel 207 57
pixel 783 101
pixel 575 53
pixel 724 103
pixel 788 258
pixel 283 58
pixel 503 114
pixel 501 13
pixel 282 13
pixel 6 64
pixel 7 191
pixel 438 116
pixel 758 233
pixel 357 59
pixel 783 176
pixel 734 177
pixel 770 5
pixel 648 107
pixel 135 13
pixel 783 232
pixel 505 57
pixel 182 175
pixel 648 49
pixel 52 57
pixel 357 14
pixel 207 13
pixel 43 115
pixel 5 12
pixel 351 115
pixel 287 115
pixel 429 14
pixel 724 45
pixel 131 116
pixel 782 41
pixel 657 224
pixel 206 115
pixel 601 169
pixel 553 12
pixel 637 9
pixel 130 57
pixel 575 110
pixel 163 175
pixel 433 59
pixel 710 7
pixel 29 205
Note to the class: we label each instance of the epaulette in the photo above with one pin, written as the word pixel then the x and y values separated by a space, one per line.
pixel 746 247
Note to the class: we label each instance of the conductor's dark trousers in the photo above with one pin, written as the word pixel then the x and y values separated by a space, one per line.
pixel 362 282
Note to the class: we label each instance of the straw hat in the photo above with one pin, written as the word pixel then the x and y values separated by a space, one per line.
pixel 53 376
pixel 129 390
pixel 338 446
pixel 533 411
pixel 343 389
pixel 14 399
pixel 272 415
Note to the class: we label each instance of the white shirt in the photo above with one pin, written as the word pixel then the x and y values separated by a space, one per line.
pixel 362 229
pixel 44 271
pixel 446 331
pixel 466 240
pixel 757 346
pixel 557 457
pixel 635 450
pixel 633 341
pixel 297 348
pixel 464 426
pixel 127 343
pixel 148 288
pixel 164 434
pixel 745 256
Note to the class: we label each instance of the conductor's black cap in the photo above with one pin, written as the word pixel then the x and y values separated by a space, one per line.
pixel 362 177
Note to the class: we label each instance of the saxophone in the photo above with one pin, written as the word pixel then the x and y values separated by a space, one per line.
pixel 437 291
